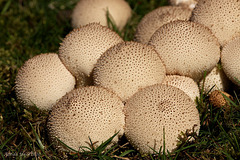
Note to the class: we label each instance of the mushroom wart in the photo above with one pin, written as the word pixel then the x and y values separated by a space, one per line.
pixel 158 17
pixel 42 80
pixel 186 84
pixel 221 16
pixel 159 110
pixel 127 67
pixel 230 58
pixel 186 48
pixel 87 112
pixel 82 47
pixel 89 11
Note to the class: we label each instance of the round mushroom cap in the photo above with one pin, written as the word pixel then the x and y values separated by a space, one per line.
pixel 42 80
pixel 215 80
pixel 189 3
pixel 87 112
pixel 158 17
pixel 186 84
pixel 230 58
pixel 156 113
pixel 217 98
pixel 82 47
pixel 128 66
pixel 221 16
pixel 186 48
pixel 89 11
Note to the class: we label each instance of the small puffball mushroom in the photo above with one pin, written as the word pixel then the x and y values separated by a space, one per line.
pixel 186 84
pixel 87 112
pixel 128 66
pixel 89 11
pixel 156 109
pixel 217 99
pixel 82 47
pixel 221 16
pixel 158 17
pixel 215 80
pixel 42 80
pixel 189 3
pixel 186 48
pixel 230 58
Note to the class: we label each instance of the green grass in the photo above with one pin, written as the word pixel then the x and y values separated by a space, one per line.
pixel 28 28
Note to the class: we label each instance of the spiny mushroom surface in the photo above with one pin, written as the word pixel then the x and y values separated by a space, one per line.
pixel 87 112
pixel 221 16
pixel 215 80
pixel 186 48
pixel 230 58
pixel 89 11
pixel 82 47
pixel 158 17
pixel 189 3
pixel 186 84
pixel 42 80
pixel 155 109
pixel 128 66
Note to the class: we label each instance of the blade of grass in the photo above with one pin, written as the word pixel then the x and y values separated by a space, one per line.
pixel 5 8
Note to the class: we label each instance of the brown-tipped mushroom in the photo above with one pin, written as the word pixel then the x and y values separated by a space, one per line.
pixel 128 66
pixel 219 98
pixel 87 112
pixel 82 47
pixel 42 80
pixel 159 110
pixel 158 17
pixel 221 16
pixel 186 84
pixel 230 58
pixel 186 48
pixel 89 11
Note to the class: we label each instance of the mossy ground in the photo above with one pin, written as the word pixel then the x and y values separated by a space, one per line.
pixel 31 27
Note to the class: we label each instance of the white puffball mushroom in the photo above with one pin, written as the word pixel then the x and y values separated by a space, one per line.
pixel 82 47
pixel 186 84
pixel 89 11
pixel 87 112
pixel 186 48
pixel 159 110
pixel 221 16
pixel 158 17
pixel 215 80
pixel 189 3
pixel 42 80
pixel 230 58
pixel 128 66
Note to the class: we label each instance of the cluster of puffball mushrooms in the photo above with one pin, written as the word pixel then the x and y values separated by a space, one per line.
pixel 98 84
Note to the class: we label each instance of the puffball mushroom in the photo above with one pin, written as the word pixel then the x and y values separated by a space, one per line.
pixel 42 80
pixel 186 84
pixel 159 110
pixel 128 66
pixel 217 99
pixel 158 17
pixel 215 80
pixel 230 57
pixel 89 11
pixel 221 16
pixel 82 47
pixel 186 48
pixel 87 112
pixel 189 3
